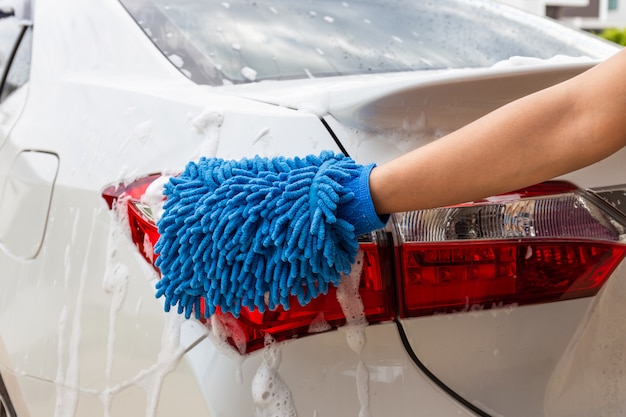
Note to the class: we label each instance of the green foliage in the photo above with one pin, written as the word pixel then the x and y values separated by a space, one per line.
pixel 615 35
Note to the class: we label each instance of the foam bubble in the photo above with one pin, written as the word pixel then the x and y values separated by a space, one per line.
pixel 352 306
pixel 270 394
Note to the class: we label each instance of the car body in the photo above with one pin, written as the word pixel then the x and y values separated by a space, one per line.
pixel 99 95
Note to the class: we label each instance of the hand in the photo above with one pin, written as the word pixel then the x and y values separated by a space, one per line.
pixel 256 231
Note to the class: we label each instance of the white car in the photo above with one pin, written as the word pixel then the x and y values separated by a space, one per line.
pixel 511 306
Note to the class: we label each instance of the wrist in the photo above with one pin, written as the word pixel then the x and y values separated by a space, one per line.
pixel 360 211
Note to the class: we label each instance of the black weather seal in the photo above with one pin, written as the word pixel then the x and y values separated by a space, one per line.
pixel 6 13
pixel 5 401
pixel 16 46
pixel 433 377
pixel 335 138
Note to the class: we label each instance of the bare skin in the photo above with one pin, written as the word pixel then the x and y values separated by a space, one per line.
pixel 546 134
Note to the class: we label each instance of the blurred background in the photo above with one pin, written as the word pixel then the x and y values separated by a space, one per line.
pixel 607 18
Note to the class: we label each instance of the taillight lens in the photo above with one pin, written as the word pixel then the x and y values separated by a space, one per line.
pixel 321 314
pixel 615 196
pixel 545 243
pixel 247 332
pixel 130 204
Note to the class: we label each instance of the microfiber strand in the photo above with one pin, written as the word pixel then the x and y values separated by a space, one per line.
pixel 253 232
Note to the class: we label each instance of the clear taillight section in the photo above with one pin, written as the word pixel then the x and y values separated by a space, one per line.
pixel 615 196
pixel 542 244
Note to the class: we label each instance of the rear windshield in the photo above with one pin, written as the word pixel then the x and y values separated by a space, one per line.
pixel 239 41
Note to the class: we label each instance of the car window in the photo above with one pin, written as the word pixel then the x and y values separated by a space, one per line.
pixel 238 41
pixel 10 31
pixel 18 72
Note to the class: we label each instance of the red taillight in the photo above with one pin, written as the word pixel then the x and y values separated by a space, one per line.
pixel 129 204
pixel 546 243
pixel 247 333
pixel 446 277
pixel 321 314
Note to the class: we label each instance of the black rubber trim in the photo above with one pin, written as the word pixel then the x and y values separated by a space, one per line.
pixel 335 138
pixel 4 394
pixel 433 377
pixel 11 57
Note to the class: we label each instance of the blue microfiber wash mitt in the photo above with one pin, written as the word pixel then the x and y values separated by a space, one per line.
pixel 255 231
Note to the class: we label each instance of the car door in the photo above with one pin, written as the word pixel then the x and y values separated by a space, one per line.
pixel 15 53
pixel 26 175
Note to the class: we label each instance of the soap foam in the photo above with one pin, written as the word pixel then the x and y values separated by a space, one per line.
pixel 270 394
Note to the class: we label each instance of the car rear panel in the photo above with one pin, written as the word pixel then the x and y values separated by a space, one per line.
pixel 324 376
pixel 484 359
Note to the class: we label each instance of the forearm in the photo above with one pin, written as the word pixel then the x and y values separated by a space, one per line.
pixel 530 140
